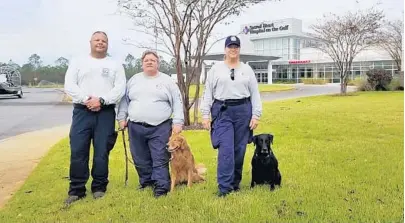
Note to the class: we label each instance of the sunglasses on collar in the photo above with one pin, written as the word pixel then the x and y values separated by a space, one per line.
pixel 232 74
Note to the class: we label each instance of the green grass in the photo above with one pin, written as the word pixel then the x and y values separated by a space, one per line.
pixel 341 159
pixel 262 88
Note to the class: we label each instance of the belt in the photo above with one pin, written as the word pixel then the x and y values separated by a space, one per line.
pixel 85 107
pixel 233 102
pixel 144 124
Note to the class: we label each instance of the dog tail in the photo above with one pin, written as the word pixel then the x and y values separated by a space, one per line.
pixel 201 169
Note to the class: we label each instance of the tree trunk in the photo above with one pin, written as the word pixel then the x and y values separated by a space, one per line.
pixel 343 85
pixel 343 88
pixel 181 84
pixel 186 116
pixel 196 104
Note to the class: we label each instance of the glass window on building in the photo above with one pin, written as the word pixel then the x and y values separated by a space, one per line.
pixel 378 64
pixel 294 43
pixel 258 44
pixel 285 43
pixel 273 44
pixel 302 72
pixel 279 53
pixel 285 73
pixel 387 65
pixel 356 67
pixel 309 72
pixel 265 78
pixel 266 43
pixel 294 73
pixel 321 74
pixel 257 77
pixel 279 43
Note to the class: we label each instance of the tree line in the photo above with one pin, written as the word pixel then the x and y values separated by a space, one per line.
pixel 34 71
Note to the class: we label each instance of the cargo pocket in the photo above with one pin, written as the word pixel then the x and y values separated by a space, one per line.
pixel 112 139
pixel 215 113
pixel 250 139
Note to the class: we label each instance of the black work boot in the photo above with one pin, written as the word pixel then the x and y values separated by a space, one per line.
pixel 71 199
pixel 98 194
pixel 159 192
pixel 222 194
pixel 143 186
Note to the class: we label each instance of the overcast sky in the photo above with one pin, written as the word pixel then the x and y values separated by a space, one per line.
pixel 54 28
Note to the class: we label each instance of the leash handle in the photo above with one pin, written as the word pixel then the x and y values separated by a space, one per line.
pixel 126 156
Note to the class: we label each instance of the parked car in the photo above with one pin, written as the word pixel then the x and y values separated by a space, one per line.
pixel 10 81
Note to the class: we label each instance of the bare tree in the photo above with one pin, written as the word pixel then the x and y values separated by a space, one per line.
pixel 343 37
pixel 183 28
pixel 391 40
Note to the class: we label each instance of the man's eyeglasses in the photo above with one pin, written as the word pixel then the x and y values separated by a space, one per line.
pixel 232 74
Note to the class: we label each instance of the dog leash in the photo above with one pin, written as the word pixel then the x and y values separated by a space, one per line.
pixel 127 159
pixel 126 156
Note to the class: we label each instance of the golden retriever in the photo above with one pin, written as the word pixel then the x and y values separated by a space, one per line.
pixel 182 166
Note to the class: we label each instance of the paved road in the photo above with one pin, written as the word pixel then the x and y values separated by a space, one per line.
pixel 38 109
pixel 42 108
pixel 304 91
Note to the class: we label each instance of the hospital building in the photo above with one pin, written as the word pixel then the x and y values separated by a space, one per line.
pixel 279 51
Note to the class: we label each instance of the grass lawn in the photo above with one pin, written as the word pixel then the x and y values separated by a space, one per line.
pixel 341 159
pixel 262 88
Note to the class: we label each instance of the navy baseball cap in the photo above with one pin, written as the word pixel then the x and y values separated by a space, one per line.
pixel 232 40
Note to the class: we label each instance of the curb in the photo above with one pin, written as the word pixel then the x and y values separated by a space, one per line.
pixel 21 154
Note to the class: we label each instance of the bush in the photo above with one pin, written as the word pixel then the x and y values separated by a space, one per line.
pixel 363 85
pixel 356 82
pixel 314 81
pixel 286 81
pixel 396 85
pixel 379 79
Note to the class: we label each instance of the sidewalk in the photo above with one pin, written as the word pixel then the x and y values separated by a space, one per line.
pixel 21 154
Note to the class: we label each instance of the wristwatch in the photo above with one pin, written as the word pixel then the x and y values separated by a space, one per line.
pixel 102 101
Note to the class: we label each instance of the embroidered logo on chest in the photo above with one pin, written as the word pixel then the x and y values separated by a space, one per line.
pixel 105 72
pixel 159 86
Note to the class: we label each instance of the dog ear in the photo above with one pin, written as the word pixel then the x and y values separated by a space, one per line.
pixel 183 143
pixel 271 138
pixel 255 140
pixel 173 133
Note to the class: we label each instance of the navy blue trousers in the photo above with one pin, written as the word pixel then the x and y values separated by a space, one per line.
pixel 148 146
pixel 230 134
pixel 90 126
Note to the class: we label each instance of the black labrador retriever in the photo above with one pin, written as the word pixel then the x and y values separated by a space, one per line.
pixel 264 163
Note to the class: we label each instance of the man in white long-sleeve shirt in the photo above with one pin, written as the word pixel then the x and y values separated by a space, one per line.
pixel 153 108
pixel 96 84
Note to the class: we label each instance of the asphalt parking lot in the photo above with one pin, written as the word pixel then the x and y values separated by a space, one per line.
pixel 38 109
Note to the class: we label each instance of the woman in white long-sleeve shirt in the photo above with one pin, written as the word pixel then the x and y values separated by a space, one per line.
pixel 232 97
pixel 153 109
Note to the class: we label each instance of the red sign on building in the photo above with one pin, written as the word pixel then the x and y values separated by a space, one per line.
pixel 299 61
